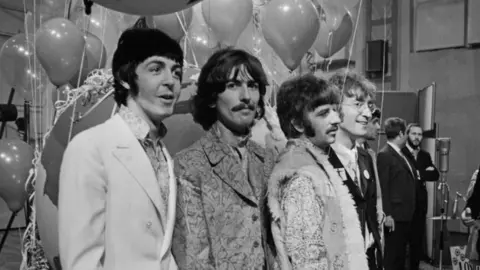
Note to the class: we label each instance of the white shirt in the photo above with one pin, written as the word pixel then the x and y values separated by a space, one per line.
pixel 349 160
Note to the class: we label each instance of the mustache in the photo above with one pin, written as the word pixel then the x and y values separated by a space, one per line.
pixel 332 128
pixel 243 106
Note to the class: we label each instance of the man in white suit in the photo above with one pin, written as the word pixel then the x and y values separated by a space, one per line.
pixel 117 188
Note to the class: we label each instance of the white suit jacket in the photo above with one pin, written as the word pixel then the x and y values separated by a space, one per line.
pixel 110 204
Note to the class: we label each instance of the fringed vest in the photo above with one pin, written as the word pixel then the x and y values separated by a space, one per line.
pixel 341 233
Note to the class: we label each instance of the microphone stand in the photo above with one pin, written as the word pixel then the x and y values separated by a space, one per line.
pixel 444 198
pixel 443 146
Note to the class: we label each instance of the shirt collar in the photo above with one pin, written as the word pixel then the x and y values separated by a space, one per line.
pixel 137 125
pixel 345 154
pixel 395 147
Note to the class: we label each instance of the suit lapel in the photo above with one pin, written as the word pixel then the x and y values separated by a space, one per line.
pixel 131 155
pixel 365 173
pixel 402 160
pixel 347 180
pixel 256 169
pixel 226 166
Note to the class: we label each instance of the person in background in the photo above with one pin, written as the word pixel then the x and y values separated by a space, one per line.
pixel 373 130
pixel 116 207
pixel 354 164
pixel 471 214
pixel 223 176
pixel 398 180
pixel 424 167
pixel 314 221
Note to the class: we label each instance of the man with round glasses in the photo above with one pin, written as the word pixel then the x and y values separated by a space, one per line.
pixel 354 164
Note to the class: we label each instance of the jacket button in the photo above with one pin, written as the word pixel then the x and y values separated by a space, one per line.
pixel 254 217
pixel 149 224
pixel 256 244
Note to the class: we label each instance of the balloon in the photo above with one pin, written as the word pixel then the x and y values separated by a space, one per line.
pixel 348 4
pixel 200 41
pixel 15 163
pixel 250 40
pixel 170 24
pixel 147 7
pixel 290 28
pixel 59 93
pixel 106 24
pixel 329 42
pixel 16 61
pixel 331 14
pixel 95 57
pixel 48 9
pixel 60 46
pixel 227 18
pixel 18 66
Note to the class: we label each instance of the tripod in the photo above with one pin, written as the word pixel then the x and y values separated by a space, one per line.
pixel 444 197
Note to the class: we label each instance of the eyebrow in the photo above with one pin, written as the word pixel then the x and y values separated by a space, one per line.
pixel 237 80
pixel 161 62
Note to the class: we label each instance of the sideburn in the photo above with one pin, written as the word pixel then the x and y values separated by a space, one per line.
pixel 309 131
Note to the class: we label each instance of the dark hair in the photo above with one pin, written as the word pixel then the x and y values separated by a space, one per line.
pixel 393 127
pixel 412 125
pixel 298 96
pixel 213 79
pixel 376 113
pixel 135 46
pixel 352 84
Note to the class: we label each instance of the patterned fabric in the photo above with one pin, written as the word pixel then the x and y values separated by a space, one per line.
pixel 303 210
pixel 154 148
pixel 220 222
pixel 314 221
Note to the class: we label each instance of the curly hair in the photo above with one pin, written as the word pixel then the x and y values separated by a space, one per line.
pixel 299 96
pixel 352 84
pixel 135 46
pixel 213 78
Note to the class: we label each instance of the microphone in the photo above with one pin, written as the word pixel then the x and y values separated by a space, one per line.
pixel 443 147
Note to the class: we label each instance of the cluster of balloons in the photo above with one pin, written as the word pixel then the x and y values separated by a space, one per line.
pixel 289 27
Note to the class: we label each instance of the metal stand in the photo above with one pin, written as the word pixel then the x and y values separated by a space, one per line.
pixel 445 195
pixel 26 138
pixel 9 226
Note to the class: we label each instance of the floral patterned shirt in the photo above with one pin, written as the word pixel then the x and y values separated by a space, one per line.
pixel 304 212
pixel 154 148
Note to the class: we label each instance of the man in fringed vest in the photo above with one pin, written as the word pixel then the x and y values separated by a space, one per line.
pixel 353 164
pixel 314 221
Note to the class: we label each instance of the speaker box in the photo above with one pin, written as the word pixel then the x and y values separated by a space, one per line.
pixel 376 58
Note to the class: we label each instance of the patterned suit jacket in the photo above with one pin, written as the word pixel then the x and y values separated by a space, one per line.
pixel 221 220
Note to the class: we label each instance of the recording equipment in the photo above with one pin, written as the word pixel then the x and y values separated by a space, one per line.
pixel 443 147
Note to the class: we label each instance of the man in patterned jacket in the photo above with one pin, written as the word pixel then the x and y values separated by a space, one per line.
pixel 223 176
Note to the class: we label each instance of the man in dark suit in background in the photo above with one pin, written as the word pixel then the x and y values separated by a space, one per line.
pixel 424 166
pixel 397 179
